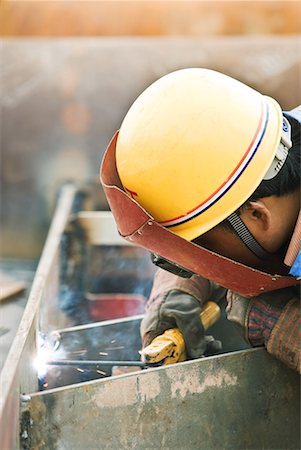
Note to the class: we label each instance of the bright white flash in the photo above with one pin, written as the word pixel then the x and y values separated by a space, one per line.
pixel 46 350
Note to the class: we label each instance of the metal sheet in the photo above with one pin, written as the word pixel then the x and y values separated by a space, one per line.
pixel 210 403
pixel 18 374
pixel 244 400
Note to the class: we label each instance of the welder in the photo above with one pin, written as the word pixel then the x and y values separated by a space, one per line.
pixel 205 173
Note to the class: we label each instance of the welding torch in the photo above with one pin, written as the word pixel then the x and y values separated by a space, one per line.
pixel 169 347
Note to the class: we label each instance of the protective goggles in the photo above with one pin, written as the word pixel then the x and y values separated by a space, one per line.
pixel 171 267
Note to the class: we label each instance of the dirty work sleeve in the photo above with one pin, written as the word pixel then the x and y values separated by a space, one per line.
pixel 285 339
pixel 272 320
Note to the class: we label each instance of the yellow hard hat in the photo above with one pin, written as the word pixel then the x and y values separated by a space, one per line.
pixel 194 146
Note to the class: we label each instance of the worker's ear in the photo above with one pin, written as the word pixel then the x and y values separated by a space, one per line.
pixel 256 215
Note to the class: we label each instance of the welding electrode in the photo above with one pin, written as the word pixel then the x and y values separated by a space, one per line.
pixel 169 347
pixel 81 363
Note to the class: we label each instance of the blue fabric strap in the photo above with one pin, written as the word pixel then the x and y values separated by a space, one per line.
pixel 296 267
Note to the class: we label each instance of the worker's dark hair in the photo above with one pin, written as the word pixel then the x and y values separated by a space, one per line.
pixel 287 181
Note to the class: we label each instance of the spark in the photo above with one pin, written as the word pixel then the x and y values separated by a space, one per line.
pixel 113 341
pixel 80 370
pixel 102 353
pixel 101 372
pixel 115 348
pixel 79 351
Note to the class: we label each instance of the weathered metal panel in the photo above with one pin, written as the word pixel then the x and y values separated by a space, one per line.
pixel 239 400
pixel 242 400
pixel 19 374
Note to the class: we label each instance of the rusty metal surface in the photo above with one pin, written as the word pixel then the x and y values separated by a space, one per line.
pixel 243 400
pixel 63 99
pixel 123 18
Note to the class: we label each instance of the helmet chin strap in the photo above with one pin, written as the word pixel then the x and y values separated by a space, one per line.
pixel 246 237
pixel 278 162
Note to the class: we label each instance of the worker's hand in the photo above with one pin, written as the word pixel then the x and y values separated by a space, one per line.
pixel 256 317
pixel 178 310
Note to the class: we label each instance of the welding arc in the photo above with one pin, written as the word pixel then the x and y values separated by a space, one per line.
pixel 78 363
